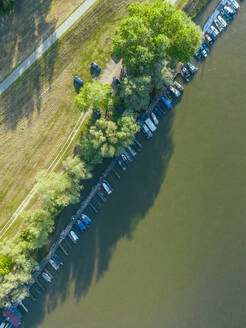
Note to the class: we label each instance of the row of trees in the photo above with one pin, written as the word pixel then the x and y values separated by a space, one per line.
pixel 55 191
pixel 150 41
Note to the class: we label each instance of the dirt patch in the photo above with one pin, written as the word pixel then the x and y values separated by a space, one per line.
pixel 113 68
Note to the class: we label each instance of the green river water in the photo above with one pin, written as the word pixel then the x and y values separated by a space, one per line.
pixel 168 250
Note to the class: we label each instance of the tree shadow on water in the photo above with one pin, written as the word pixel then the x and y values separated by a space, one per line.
pixel 133 197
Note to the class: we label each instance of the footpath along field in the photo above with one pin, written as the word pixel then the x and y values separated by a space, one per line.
pixel 38 113
pixel 27 25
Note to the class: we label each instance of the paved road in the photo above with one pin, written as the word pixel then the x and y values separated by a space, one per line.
pixel 45 45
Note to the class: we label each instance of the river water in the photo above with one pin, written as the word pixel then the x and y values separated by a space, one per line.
pixel 169 248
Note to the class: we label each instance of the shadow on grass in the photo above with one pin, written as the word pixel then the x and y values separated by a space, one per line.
pixel 21 29
pixel 24 96
pixel 132 198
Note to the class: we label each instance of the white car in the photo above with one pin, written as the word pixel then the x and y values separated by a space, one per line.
pixel 150 124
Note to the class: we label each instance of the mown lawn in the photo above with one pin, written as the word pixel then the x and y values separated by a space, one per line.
pixel 28 24
pixel 38 113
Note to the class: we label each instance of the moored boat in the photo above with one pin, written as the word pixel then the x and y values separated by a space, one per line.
pixel 46 277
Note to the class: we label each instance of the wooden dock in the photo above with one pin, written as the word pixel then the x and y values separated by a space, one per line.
pixel 84 204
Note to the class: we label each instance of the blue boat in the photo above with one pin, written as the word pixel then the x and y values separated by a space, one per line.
pixel 85 219
pixel 166 102
pixel 81 226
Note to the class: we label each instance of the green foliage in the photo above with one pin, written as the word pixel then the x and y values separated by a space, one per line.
pixel 161 74
pixel 5 264
pixel 39 224
pixel 95 95
pixel 136 44
pixel 106 139
pixel 135 93
pixel 54 190
pixel 13 283
pixel 153 31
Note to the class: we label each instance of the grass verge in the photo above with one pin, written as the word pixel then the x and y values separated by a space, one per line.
pixel 37 113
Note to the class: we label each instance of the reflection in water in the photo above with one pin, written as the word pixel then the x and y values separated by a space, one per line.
pixel 168 249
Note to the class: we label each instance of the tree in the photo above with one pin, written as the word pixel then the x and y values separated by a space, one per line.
pixel 106 139
pixel 153 31
pixel 5 264
pixel 185 43
pixel 38 226
pixel 75 169
pixel 56 190
pixel 135 93
pixel 127 128
pixel 13 283
pixel 136 44
pixel 161 74
pixel 95 95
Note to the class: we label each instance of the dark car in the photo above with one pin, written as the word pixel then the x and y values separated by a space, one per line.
pixel 116 81
pixel 95 67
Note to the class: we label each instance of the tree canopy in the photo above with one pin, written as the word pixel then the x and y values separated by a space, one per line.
pixel 95 95
pixel 106 139
pixel 153 31
pixel 56 190
pixel 5 264
pixel 135 93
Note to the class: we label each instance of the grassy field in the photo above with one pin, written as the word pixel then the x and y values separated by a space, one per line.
pixel 27 25
pixel 37 113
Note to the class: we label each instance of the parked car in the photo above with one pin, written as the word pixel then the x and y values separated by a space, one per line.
pixel 78 81
pixel 95 67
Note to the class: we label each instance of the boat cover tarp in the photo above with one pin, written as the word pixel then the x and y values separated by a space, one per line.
pixel 166 102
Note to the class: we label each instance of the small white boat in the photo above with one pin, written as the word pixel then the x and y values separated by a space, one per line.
pixel 53 264
pixel 132 151
pixel 106 188
pixel 150 124
pixel 214 30
pixel 154 118
pixel 234 4
pixel 223 22
pixel 46 277
pixel 218 25
pixel 174 91
pixel 73 236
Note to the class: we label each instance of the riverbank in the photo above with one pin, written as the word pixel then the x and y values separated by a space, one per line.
pixel 180 238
